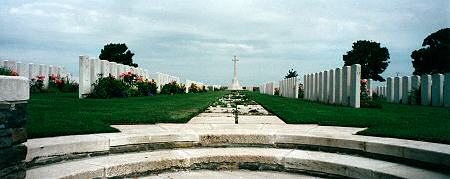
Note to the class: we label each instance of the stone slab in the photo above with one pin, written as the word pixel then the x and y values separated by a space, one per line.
pixel 74 169
pixel 227 174
pixel 300 160
pixel 14 88
pixel 125 164
pixel 327 136
pixel 43 147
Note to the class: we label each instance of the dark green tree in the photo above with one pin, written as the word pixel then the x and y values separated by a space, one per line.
pixel 291 73
pixel 434 57
pixel 117 53
pixel 371 56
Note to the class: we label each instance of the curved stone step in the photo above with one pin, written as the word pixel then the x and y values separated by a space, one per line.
pixel 228 174
pixel 269 135
pixel 131 164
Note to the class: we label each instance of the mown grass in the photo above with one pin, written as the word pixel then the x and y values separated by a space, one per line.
pixel 393 120
pixel 51 114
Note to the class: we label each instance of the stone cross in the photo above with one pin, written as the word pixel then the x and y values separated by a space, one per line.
pixel 235 72
pixel 235 83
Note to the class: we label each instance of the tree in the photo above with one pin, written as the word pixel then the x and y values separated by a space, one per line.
pixel 117 53
pixel 291 73
pixel 372 58
pixel 434 57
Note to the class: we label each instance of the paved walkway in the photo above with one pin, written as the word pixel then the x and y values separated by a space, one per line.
pixel 251 113
pixel 227 175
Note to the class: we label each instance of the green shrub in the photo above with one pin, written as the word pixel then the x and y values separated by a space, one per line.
pixel 173 88
pixel 62 84
pixel 193 88
pixel 109 87
pixel 301 92
pixel 37 85
pixel 147 88
pixel 7 72
pixel 415 95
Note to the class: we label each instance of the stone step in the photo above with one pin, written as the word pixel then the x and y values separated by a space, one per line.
pixel 215 135
pixel 227 174
pixel 133 164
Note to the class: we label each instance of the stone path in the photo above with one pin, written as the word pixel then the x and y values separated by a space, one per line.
pixel 249 112
pixel 227 174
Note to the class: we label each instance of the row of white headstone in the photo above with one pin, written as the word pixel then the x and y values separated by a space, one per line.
pixel 249 88
pixel 380 91
pixel 434 89
pixel 335 86
pixel 288 87
pixel 92 69
pixel 190 82
pixel 267 88
pixel 33 71
pixel 162 79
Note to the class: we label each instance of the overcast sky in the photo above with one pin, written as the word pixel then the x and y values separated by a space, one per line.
pixel 197 39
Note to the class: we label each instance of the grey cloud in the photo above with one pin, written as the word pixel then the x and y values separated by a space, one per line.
pixel 196 39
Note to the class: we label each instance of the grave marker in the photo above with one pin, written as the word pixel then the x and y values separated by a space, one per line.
pixel 406 88
pixel 437 89
pixel 425 90
pixel 355 90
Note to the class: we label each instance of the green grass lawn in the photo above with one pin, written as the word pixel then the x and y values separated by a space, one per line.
pixel 393 120
pixel 51 114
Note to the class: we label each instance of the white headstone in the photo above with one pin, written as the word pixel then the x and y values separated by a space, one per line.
pixel 316 87
pixel 52 70
pixel 338 86
pixel 113 69
pixel 331 86
pixel 369 86
pixel 95 69
pixel 311 86
pixel 355 90
pixel 437 89
pixel 425 90
pixel 447 90
pixel 34 71
pixel 415 85
pixel 85 76
pixel 43 71
pixel 397 89
pixel 390 89
pixel 104 68
pixel 345 85
pixel 406 89
pixel 305 86
pixel 23 69
pixel 10 65
pixel 326 83
pixel 321 91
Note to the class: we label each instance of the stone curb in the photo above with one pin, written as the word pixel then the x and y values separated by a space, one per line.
pixel 135 164
pixel 210 135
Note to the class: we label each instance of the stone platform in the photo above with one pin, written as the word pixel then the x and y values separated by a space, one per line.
pixel 212 141
pixel 320 149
